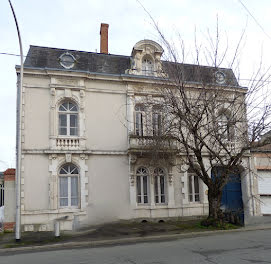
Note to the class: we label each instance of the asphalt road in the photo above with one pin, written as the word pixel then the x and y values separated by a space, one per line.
pixel 238 247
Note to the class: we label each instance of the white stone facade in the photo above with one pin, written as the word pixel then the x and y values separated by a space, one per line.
pixel 105 149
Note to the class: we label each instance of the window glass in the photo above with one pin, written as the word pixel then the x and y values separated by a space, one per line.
pixel 68 186
pixel 147 67
pixel 157 123
pixel 142 179
pixel 68 119
pixel 138 187
pixel 159 185
pixel 63 181
pixel 139 112
pixel 74 191
pixel 63 120
pixel 193 186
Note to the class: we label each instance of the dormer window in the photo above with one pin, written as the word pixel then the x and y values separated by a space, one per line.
pixel 147 67
pixel 146 59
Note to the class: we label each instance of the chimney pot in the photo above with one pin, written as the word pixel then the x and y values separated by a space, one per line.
pixel 104 38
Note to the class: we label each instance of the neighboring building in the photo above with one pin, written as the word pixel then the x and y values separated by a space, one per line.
pixel 1 189
pixel 261 168
pixel 83 140
pixel 10 205
pixel 7 199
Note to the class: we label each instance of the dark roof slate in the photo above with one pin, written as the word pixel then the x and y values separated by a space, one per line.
pixel 44 57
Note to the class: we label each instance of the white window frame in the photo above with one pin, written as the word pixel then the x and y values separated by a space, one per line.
pixel 226 128
pixel 159 181
pixel 142 173
pixel 69 175
pixel 68 113
pixel 140 115
pixel 147 66
pixel 193 197
pixel 157 121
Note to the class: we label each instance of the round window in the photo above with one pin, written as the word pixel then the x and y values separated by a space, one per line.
pixel 67 60
pixel 220 77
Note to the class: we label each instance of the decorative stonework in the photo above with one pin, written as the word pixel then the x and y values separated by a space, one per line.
pixel 57 160
pixel 68 157
pixel 170 178
pixel 146 51
pixel 72 89
pixel 132 179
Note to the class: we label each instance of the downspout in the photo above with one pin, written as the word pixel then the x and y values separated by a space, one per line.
pixel 250 183
pixel 18 136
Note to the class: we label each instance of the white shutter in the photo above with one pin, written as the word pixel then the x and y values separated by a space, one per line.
pixel 264 181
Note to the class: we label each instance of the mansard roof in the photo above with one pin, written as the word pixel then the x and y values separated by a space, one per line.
pixel 49 58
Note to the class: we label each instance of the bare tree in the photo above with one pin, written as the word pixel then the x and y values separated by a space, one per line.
pixel 209 121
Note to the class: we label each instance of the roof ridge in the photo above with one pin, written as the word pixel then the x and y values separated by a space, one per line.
pixel 73 50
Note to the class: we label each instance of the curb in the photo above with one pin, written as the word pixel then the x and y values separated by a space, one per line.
pixel 130 240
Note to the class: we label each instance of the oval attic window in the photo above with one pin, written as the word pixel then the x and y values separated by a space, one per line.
pixel 220 77
pixel 67 60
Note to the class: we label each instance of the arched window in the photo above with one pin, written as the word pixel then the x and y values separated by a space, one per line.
pixel 193 187
pixel 68 119
pixel 142 185
pixel 139 120
pixel 147 66
pixel 159 185
pixel 69 186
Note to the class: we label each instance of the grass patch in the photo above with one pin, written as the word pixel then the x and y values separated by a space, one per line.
pixel 33 242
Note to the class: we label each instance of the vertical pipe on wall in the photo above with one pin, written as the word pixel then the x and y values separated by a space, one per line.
pixel 18 135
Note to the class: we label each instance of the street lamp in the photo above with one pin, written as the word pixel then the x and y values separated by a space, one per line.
pixel 18 136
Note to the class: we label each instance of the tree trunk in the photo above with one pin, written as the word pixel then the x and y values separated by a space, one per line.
pixel 214 199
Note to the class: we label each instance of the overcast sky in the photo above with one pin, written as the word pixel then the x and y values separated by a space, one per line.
pixel 75 25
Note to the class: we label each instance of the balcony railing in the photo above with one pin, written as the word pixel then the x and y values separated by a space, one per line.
pixel 152 143
pixel 67 143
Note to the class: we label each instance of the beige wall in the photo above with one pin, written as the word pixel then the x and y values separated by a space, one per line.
pixel 105 121
pixel 36 118
pixel 35 182
pixel 108 188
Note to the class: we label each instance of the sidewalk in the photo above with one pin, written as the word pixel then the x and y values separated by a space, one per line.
pixel 111 234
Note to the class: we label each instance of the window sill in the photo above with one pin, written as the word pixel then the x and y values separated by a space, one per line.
pixel 55 211
pixel 148 207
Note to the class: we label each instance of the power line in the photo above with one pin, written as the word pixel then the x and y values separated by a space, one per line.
pixel 10 54
pixel 255 20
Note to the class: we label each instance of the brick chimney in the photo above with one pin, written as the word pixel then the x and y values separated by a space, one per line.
pixel 104 38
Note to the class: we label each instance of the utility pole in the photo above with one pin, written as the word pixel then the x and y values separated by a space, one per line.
pixel 18 135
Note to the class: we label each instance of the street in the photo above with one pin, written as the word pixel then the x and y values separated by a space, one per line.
pixel 236 247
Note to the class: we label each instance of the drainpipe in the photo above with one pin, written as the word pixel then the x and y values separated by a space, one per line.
pixel 18 136
pixel 250 183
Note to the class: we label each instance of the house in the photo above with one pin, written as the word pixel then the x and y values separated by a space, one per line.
pixel 261 168
pixel 1 188
pixel 84 137
pixel 7 199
